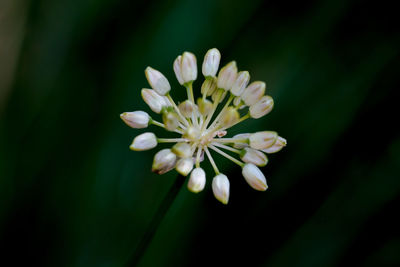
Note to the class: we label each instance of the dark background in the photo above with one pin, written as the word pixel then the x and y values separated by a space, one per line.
pixel 73 194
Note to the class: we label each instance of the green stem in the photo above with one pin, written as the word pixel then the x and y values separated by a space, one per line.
pixel 162 210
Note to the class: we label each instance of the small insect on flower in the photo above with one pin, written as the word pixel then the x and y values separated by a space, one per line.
pixel 201 129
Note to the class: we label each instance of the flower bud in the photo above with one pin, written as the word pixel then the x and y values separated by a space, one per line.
pixel 177 69
pixel 145 141
pixel 262 107
pixel 197 180
pixel 229 117
pixel 170 120
pixel 157 81
pixel 216 93
pixel 205 106
pixel 220 187
pixel 182 150
pixel 279 144
pixel 186 108
pixel 184 166
pixel 191 133
pixel 240 84
pixel 211 62
pixel 136 119
pixel 153 100
pixel 188 67
pixel 254 177
pixel 208 87
pixel 253 93
pixel 262 140
pixel 227 76
pixel 240 145
pixel 250 155
pixel 164 161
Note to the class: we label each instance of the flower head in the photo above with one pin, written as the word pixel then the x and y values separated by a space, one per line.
pixel 201 129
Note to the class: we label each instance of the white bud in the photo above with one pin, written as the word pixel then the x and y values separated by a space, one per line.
pixel 170 120
pixel 177 69
pixel 229 117
pixel 250 155
pixel 279 144
pixel 153 100
pixel 197 180
pixel 188 67
pixel 211 62
pixel 184 166
pixel 253 93
pixel 240 145
pixel 208 87
pixel 205 106
pixel 220 187
pixel 262 107
pixel 262 140
pixel 182 150
pixel 186 108
pixel 227 76
pixel 191 133
pixel 136 119
pixel 254 177
pixel 145 141
pixel 240 84
pixel 164 161
pixel 157 81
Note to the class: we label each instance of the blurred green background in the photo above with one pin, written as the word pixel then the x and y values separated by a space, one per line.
pixel 73 194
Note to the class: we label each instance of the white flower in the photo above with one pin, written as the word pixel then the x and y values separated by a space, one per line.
pixel 262 107
pixel 182 150
pixel 211 62
pixel 253 93
pixel 250 155
pixel 164 161
pixel 177 69
pixel 263 140
pixel 201 128
pixel 136 119
pixel 254 177
pixel 205 106
pixel 157 81
pixel 240 84
pixel 197 180
pixel 227 76
pixel 144 141
pixel 171 120
pixel 186 108
pixel 244 137
pixel 229 117
pixel 184 166
pixel 188 67
pixel 153 100
pixel 220 187
pixel 277 146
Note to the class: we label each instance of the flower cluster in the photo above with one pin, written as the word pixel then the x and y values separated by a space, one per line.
pixel 201 129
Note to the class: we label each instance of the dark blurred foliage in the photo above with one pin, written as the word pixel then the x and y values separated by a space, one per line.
pixel 73 194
